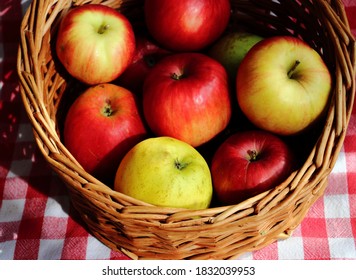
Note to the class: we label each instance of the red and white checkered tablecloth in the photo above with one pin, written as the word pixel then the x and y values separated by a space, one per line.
pixel 38 222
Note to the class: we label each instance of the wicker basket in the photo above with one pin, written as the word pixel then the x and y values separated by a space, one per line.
pixel 148 232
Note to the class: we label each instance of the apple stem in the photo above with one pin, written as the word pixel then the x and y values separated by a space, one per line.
pixel 103 28
pixel 179 165
pixel 107 111
pixel 292 70
pixel 175 76
pixel 252 154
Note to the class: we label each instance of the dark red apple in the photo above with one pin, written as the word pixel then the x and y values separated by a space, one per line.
pixel 147 54
pixel 186 96
pixel 248 163
pixel 101 126
pixel 186 25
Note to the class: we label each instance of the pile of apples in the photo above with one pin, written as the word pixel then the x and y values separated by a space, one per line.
pixel 163 115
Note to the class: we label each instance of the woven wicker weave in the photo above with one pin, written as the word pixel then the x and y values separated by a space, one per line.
pixel 144 231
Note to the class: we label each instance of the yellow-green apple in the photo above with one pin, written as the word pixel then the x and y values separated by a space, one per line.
pixel 231 48
pixel 101 126
pixel 186 96
pixel 95 43
pixel 186 25
pixel 147 54
pixel 283 85
pixel 165 171
pixel 248 163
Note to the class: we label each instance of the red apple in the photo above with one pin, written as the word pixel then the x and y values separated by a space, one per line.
pixel 95 43
pixel 186 25
pixel 186 96
pixel 283 85
pixel 101 126
pixel 248 163
pixel 147 54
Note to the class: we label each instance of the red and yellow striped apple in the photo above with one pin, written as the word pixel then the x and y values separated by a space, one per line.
pixel 186 96
pixel 95 43
pixel 101 126
pixel 283 85
pixel 186 25
pixel 248 163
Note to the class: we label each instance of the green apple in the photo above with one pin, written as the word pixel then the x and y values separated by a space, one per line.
pixel 231 48
pixel 167 172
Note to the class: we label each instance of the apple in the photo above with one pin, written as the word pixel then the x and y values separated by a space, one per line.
pixel 248 163
pixel 231 48
pixel 167 172
pixel 101 126
pixel 95 43
pixel 186 25
pixel 186 96
pixel 147 54
pixel 283 85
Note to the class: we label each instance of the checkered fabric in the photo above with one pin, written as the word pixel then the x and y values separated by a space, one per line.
pixel 38 222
